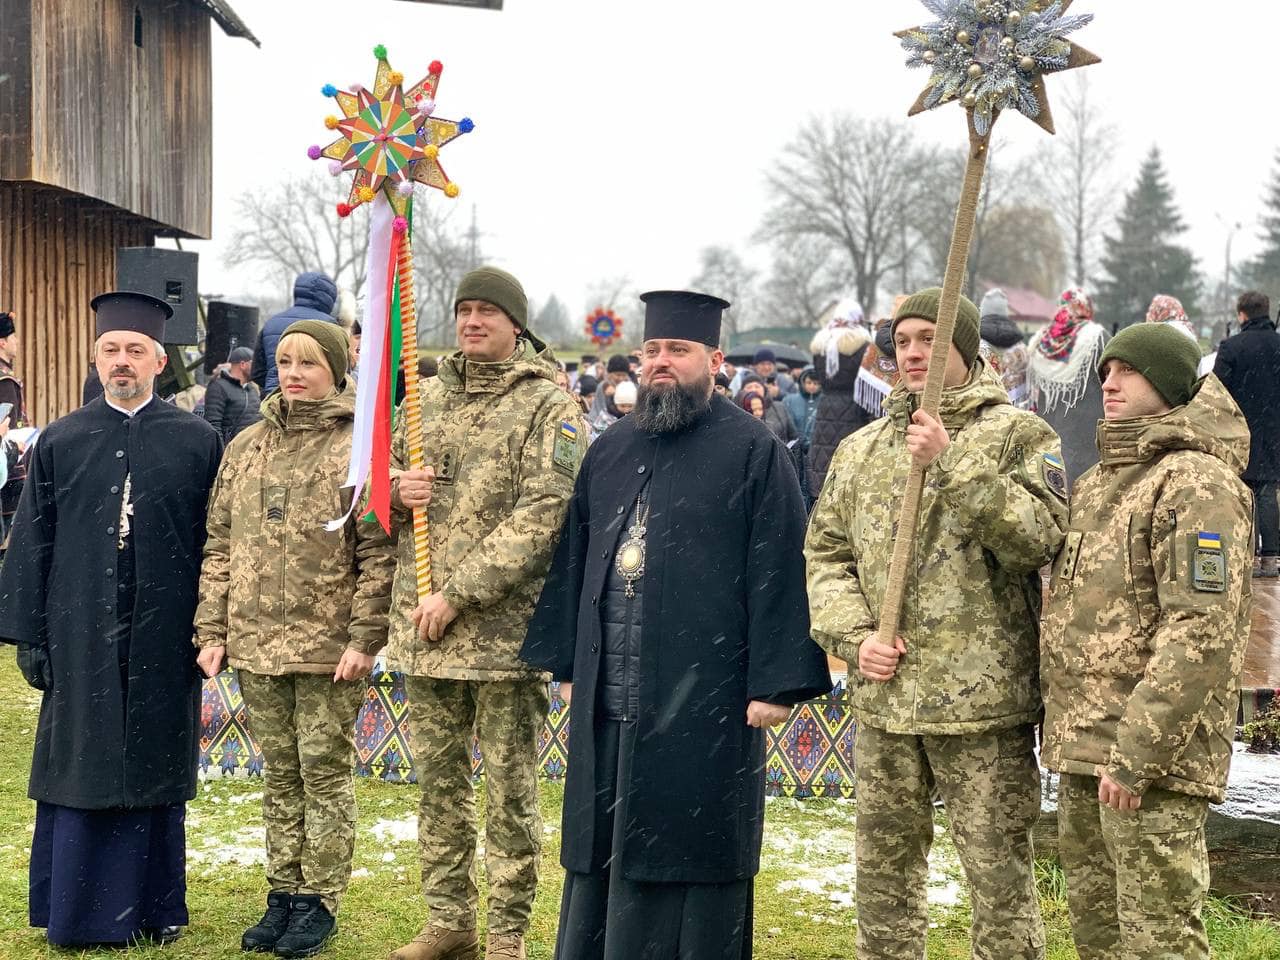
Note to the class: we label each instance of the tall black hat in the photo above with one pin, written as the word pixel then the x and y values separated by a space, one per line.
pixel 683 315
pixel 127 310
pixel 7 326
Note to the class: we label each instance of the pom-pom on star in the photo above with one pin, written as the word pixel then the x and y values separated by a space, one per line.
pixel 993 55
pixel 390 137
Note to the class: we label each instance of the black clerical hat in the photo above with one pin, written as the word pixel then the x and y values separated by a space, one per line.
pixel 7 326
pixel 682 315
pixel 127 310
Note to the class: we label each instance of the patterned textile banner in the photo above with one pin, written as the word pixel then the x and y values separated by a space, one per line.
pixel 811 755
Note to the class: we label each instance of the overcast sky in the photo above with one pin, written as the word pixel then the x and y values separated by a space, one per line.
pixel 622 136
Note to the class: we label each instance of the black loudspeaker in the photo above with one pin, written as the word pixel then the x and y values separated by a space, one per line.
pixel 169 275
pixel 231 325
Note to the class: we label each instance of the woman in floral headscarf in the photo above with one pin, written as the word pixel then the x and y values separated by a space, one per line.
pixel 1062 374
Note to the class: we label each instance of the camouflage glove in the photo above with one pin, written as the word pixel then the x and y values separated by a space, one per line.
pixel 34 664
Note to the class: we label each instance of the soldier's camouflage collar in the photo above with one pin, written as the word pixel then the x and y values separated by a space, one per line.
pixel 1210 423
pixel 470 376
pixel 959 404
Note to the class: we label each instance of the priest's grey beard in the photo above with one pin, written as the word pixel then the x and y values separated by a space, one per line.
pixel 131 392
pixel 670 409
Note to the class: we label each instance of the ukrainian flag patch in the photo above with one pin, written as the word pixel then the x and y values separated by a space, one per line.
pixel 1209 541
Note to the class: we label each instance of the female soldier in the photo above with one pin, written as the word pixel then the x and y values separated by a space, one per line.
pixel 299 611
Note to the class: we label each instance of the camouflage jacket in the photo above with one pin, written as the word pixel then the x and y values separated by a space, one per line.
pixel 505 443
pixel 993 512
pixel 282 593
pixel 1148 612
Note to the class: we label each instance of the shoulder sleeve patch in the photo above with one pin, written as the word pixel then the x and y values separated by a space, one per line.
pixel 564 455
pixel 1055 474
pixel 1209 564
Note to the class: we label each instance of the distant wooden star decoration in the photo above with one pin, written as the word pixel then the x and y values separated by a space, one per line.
pixel 993 55
pixel 390 137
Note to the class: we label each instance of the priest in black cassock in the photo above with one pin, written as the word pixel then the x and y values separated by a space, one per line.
pixel 98 591
pixel 676 620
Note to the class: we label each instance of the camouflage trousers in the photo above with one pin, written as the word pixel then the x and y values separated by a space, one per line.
pixel 506 717
pixel 304 724
pixel 991 787
pixel 1136 880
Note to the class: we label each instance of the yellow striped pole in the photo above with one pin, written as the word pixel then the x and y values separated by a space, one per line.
pixel 412 409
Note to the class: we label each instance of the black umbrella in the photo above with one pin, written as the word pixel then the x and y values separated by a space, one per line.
pixel 744 353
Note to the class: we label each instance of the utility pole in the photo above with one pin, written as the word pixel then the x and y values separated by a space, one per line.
pixel 473 242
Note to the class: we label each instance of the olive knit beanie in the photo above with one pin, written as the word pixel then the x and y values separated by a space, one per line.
pixel 924 306
pixel 499 288
pixel 1166 357
pixel 333 341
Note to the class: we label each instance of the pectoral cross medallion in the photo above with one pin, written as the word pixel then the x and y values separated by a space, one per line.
pixel 630 559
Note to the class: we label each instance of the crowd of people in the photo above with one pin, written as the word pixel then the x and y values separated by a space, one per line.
pixel 679 544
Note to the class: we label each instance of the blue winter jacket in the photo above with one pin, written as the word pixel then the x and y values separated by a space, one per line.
pixel 313 298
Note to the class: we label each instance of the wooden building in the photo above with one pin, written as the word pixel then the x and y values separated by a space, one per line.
pixel 105 142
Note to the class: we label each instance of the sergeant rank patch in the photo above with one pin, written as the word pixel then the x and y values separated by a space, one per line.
pixel 1055 474
pixel 565 455
pixel 1209 565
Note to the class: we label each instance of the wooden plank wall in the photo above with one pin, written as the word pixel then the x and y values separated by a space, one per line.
pixel 130 125
pixel 15 89
pixel 57 252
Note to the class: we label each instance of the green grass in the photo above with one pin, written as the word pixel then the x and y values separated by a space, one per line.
pixel 803 894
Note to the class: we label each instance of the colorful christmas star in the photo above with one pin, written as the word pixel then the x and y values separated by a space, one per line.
pixel 992 55
pixel 390 138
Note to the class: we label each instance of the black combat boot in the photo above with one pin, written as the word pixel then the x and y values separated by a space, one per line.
pixel 311 926
pixel 262 937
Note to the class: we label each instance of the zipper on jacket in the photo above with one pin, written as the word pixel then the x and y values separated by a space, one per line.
pixel 1173 545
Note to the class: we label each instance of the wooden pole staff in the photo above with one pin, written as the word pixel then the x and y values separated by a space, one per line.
pixel 412 408
pixel 904 543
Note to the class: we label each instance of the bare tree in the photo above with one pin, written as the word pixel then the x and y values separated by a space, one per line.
pixel 443 252
pixel 293 228
pixel 1076 176
pixel 723 273
pixel 1013 241
pixel 805 277
pixel 851 182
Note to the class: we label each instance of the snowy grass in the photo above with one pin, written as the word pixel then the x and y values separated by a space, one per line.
pixel 804 893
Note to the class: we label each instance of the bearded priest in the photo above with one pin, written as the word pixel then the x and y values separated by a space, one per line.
pixel 676 621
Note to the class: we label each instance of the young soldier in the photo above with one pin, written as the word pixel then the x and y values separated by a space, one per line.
pixel 505 443
pixel 1143 643
pixel 953 701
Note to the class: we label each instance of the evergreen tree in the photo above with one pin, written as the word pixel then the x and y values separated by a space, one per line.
pixel 1142 259
pixel 1263 273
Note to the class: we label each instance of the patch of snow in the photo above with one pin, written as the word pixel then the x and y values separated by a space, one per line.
pixel 360 872
pixel 404 830
pixel 1253 788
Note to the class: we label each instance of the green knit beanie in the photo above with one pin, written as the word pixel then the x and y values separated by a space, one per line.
pixel 1162 354
pixel 333 341
pixel 497 287
pixel 924 306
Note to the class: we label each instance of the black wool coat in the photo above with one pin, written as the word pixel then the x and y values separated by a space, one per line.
pixel 1248 365
pixel 725 621
pixel 838 415
pixel 100 745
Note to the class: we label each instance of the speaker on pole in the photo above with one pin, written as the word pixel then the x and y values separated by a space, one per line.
pixel 231 325
pixel 169 275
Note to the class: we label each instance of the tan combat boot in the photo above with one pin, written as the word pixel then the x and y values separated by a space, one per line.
pixel 437 943
pixel 505 946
